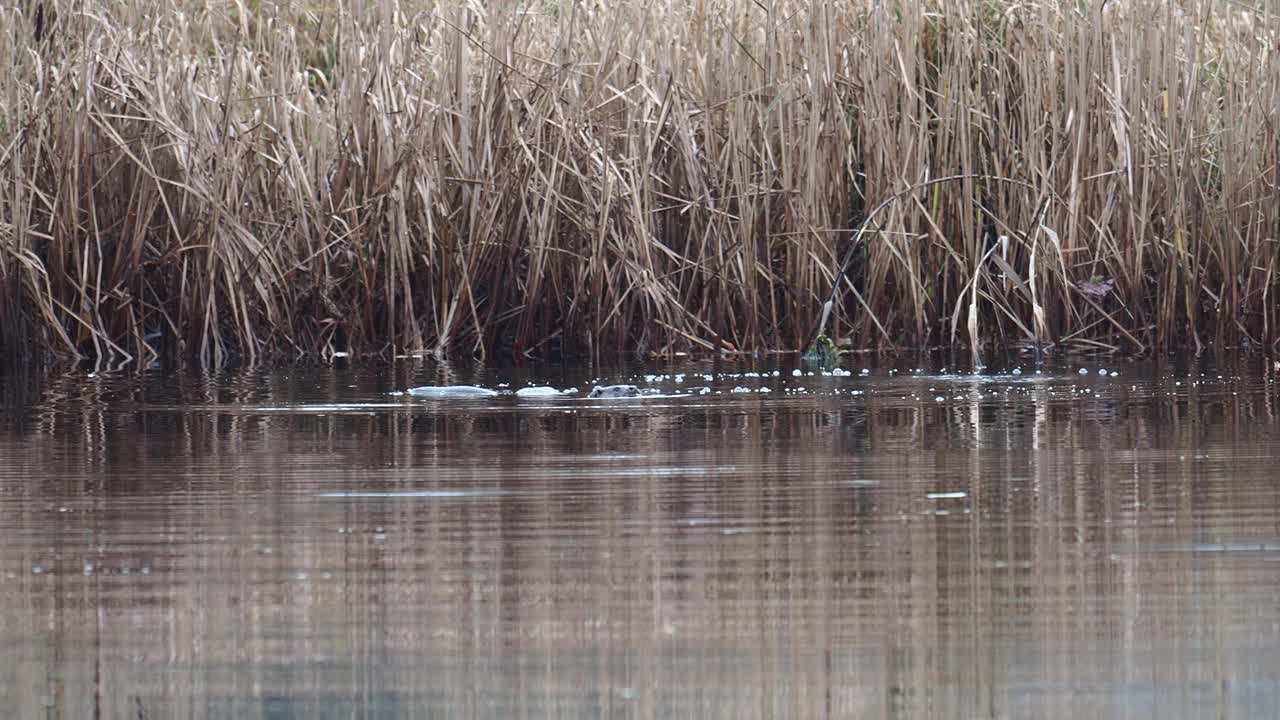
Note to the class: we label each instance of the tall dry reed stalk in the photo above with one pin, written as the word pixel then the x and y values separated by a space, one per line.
pixel 273 179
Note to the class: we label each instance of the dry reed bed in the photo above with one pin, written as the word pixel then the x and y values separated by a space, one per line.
pixel 207 180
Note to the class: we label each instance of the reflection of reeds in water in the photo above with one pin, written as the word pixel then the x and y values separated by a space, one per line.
pixel 308 178
pixel 781 561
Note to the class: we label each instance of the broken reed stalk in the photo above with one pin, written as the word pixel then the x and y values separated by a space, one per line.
pixel 278 180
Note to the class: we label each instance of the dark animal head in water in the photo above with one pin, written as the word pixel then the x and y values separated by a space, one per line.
pixel 614 391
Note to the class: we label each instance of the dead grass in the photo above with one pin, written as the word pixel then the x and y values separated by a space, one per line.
pixel 273 180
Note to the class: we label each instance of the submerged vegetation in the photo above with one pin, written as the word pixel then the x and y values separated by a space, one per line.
pixel 203 180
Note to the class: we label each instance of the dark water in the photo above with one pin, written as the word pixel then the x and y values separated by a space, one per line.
pixel 304 544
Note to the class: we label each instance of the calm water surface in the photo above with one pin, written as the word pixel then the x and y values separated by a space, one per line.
pixel 304 543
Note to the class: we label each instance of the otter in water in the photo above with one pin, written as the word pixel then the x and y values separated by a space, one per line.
pixel 614 391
